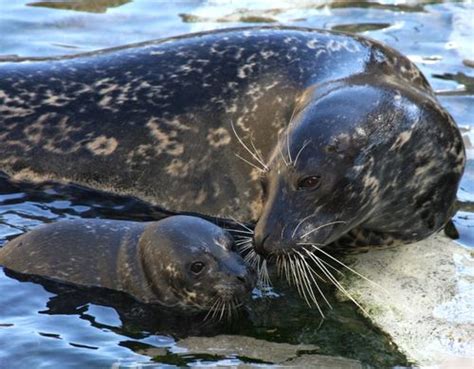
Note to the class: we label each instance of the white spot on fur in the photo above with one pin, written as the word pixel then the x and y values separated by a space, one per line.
pixel 218 137
pixel 102 145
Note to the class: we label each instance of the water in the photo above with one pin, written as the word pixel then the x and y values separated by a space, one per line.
pixel 52 326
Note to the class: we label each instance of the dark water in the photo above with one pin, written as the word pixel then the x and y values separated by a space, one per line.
pixel 53 326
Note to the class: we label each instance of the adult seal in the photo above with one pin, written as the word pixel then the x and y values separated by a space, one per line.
pixel 340 138
pixel 181 262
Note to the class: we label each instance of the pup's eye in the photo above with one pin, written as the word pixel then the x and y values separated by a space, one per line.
pixel 197 267
pixel 310 182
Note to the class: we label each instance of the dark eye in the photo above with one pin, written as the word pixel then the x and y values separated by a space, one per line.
pixel 197 267
pixel 310 182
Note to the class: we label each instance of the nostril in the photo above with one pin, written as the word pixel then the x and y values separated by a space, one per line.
pixel 241 279
pixel 259 245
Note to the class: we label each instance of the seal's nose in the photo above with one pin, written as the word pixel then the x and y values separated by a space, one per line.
pixel 259 243
pixel 249 279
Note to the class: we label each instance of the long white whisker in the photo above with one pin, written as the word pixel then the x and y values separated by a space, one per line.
pixel 283 155
pixel 304 288
pixel 246 247
pixel 212 308
pixel 244 242
pixel 237 230
pixel 304 278
pixel 338 285
pixel 306 143
pixel 314 279
pixel 265 276
pixel 255 150
pixel 285 268
pixel 348 268
pixel 300 223
pixel 332 267
pixel 242 225
pixel 310 271
pixel 295 278
pixel 321 226
pixel 224 305
pixel 290 161
pixel 250 163
pixel 264 166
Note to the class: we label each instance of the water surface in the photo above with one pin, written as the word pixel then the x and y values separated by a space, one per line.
pixel 52 326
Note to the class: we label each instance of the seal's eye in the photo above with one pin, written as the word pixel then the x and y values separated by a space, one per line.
pixel 197 267
pixel 310 182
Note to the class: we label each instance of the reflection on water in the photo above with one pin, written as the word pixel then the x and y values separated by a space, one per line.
pixel 54 324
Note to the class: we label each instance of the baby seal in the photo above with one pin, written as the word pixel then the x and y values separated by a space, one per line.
pixel 180 261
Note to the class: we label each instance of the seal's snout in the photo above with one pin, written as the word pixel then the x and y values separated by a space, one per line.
pixel 259 243
pixel 249 279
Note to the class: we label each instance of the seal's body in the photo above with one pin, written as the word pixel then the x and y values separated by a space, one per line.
pixel 140 119
pixel 180 261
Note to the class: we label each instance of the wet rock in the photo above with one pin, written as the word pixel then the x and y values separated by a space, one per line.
pixel 426 299
pixel 298 356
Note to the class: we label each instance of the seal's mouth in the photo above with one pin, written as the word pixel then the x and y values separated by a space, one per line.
pixel 223 307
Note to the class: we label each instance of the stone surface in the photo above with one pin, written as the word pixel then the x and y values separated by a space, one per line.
pixel 425 301
pixel 283 354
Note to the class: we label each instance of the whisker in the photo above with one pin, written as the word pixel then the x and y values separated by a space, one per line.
pixel 217 308
pixel 224 305
pixel 293 271
pixel 212 308
pixel 266 281
pixel 264 166
pixel 338 285
pixel 282 155
pixel 300 223
pixel 313 272
pixel 250 163
pixel 242 225
pixel 332 267
pixel 348 268
pixel 290 161
pixel 242 242
pixel 305 144
pixel 301 281
pixel 246 246
pixel 237 230
pixel 322 226
pixel 255 150
pixel 310 271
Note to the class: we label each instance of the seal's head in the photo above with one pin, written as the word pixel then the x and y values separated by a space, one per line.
pixel 193 265
pixel 365 155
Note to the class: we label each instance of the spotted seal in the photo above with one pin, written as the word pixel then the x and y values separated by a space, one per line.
pixel 344 133
pixel 181 261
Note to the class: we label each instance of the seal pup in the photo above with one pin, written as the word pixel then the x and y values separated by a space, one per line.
pixel 181 261
pixel 345 134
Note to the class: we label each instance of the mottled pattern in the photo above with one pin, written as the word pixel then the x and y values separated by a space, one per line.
pixel 388 166
pixel 150 261
pixel 140 119
pixel 154 120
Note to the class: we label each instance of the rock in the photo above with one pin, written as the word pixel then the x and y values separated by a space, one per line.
pixel 295 356
pixel 426 303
